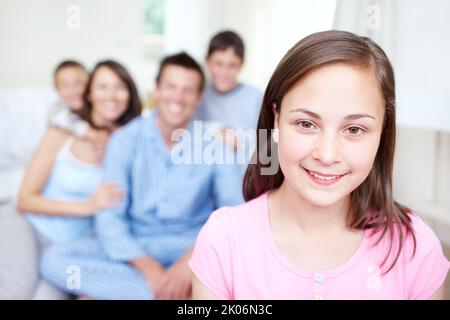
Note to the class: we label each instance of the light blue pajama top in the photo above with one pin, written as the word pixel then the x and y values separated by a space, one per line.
pixel 165 203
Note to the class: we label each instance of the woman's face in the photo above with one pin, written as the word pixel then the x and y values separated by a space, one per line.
pixel 330 126
pixel 109 97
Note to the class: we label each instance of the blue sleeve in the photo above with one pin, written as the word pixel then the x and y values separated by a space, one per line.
pixel 112 225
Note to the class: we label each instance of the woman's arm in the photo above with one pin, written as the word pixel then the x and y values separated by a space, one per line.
pixel 36 176
pixel 200 292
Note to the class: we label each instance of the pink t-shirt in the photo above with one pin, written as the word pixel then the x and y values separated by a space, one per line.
pixel 236 257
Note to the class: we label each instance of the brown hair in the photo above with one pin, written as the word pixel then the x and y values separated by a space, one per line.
pixel 134 103
pixel 373 205
pixel 68 64
pixel 224 40
pixel 184 60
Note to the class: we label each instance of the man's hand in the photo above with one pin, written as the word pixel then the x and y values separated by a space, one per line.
pixel 150 269
pixel 176 283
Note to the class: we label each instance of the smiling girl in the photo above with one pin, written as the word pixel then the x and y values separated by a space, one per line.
pixel 325 226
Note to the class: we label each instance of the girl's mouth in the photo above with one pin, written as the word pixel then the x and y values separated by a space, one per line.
pixel 323 179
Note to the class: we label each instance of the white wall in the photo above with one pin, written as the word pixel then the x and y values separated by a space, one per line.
pixel 269 28
pixel 35 36
pixel 415 36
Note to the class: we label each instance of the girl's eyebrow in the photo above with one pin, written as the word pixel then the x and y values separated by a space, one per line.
pixel 348 117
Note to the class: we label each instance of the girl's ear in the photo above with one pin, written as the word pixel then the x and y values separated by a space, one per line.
pixel 275 133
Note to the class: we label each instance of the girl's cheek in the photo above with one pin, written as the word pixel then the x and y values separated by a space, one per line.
pixel 295 148
pixel 360 157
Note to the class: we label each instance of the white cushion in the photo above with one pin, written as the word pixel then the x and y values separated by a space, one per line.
pixel 23 120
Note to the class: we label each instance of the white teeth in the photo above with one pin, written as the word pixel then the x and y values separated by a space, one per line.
pixel 111 105
pixel 322 177
pixel 175 108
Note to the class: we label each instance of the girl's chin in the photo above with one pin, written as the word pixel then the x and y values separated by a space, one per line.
pixel 321 199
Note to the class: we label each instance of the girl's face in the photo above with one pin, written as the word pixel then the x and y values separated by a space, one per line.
pixel 330 126
pixel 109 96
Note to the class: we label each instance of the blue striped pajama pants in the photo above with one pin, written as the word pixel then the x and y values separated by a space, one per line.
pixel 99 276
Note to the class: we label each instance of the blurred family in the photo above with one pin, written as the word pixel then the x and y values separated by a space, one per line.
pixel 115 218
pixel 145 242
pixel 128 210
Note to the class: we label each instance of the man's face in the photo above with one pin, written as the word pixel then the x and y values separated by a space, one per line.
pixel 177 95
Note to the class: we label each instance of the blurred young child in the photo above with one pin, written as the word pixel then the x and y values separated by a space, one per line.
pixel 70 78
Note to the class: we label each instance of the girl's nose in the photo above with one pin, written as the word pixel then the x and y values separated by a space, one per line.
pixel 327 149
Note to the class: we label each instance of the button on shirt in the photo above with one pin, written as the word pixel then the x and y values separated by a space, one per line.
pixel 165 203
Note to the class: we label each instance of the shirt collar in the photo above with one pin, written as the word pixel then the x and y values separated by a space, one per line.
pixel 151 132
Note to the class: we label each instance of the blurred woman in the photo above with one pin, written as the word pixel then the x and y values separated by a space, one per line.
pixel 62 189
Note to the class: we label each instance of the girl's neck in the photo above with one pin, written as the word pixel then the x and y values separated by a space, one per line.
pixel 293 209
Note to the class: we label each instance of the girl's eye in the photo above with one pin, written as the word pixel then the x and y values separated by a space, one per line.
pixel 305 124
pixel 354 131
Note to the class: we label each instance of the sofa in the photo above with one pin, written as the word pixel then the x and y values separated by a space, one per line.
pixel 23 120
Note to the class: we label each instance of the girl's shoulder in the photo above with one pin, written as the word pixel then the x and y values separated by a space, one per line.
pixel 425 244
pixel 236 221
pixel 245 212
pixel 424 265
pixel 420 250
pixel 423 233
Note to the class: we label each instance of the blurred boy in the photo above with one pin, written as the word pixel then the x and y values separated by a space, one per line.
pixel 227 102
pixel 235 105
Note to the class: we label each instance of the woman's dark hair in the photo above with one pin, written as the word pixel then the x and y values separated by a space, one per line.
pixel 224 40
pixel 134 107
pixel 373 206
